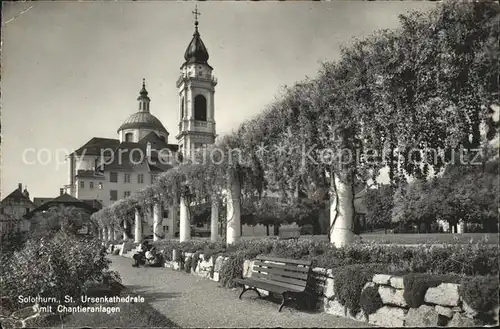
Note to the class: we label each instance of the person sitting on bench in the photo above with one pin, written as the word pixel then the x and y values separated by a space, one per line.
pixel 150 254
pixel 139 256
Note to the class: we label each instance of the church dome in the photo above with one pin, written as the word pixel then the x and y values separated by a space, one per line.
pixel 196 52
pixel 143 120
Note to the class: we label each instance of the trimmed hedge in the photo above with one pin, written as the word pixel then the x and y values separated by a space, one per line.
pixel 370 300
pixel 472 259
pixel 480 293
pixel 350 280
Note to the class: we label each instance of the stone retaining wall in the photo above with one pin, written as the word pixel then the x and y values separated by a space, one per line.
pixel 443 305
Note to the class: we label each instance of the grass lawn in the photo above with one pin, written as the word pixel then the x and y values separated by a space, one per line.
pixel 411 238
pixel 404 238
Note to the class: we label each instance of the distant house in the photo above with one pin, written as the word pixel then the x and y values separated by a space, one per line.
pixel 89 206
pixel 12 210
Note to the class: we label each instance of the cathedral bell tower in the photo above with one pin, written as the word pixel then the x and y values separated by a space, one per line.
pixel 196 86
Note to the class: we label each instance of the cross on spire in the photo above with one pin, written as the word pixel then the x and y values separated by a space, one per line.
pixel 196 13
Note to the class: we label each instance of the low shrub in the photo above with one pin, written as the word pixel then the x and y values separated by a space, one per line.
pixel 231 269
pixel 480 293
pixel 116 251
pixel 370 300
pixel 58 265
pixel 416 285
pixel 208 253
pixel 350 280
pixel 472 259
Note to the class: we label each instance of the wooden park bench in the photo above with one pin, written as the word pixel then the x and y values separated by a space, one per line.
pixel 290 278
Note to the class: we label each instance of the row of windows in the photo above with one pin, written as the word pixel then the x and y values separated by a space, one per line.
pixel 91 185
pixel 113 178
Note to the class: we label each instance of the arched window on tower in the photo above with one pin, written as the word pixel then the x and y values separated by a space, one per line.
pixel 129 137
pixel 200 108
pixel 182 108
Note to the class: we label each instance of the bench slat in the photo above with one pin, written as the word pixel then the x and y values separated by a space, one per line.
pixel 262 285
pixel 278 271
pixel 282 279
pixel 288 286
pixel 285 267
pixel 286 261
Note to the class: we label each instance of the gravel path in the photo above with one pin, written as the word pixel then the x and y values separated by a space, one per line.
pixel 191 301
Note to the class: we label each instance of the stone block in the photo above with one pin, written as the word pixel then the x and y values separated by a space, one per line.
pixel 205 266
pixel 397 282
pixel 334 307
pixel 218 263
pixel 329 290
pixel 443 310
pixel 216 277
pixel 388 316
pixel 391 296
pixel 458 320
pixel 25 312
pixel 247 268
pixel 368 284
pixel 424 316
pixel 358 317
pixel 319 271
pixel 446 294
pixel 382 279
pixel 176 265
pixel 468 311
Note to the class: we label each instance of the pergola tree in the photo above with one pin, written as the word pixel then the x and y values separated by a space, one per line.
pixel 420 92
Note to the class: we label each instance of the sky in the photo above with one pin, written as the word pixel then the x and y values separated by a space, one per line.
pixel 73 70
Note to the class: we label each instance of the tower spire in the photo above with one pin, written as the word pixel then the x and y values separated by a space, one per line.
pixel 143 98
pixel 196 13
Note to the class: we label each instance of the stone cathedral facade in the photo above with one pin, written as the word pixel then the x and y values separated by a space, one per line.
pixel 109 169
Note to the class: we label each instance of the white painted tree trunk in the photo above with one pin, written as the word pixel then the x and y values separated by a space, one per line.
pixel 138 227
pixel 104 233
pixel 110 233
pixel 157 221
pixel 125 226
pixel 185 227
pixel 341 213
pixel 115 234
pixel 233 229
pixel 214 222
